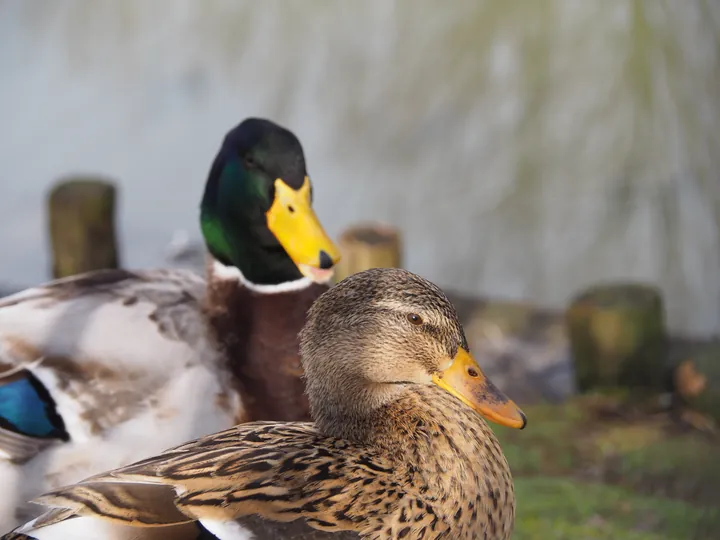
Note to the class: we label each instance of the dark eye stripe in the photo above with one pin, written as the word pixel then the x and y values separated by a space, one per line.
pixel 431 330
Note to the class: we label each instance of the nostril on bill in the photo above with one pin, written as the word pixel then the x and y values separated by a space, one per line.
pixel 325 260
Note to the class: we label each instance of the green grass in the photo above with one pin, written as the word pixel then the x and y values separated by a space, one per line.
pixel 645 454
pixel 584 474
pixel 566 509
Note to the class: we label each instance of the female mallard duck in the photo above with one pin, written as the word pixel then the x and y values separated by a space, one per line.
pixel 120 365
pixel 397 450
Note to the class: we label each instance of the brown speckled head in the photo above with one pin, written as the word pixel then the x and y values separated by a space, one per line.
pixel 373 333
pixel 381 314
pixel 380 334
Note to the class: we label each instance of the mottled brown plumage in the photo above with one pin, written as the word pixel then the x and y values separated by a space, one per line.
pixel 391 455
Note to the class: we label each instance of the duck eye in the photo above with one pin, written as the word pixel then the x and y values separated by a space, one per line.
pixel 415 319
pixel 249 161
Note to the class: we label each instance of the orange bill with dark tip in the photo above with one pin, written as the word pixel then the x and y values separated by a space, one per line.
pixel 465 380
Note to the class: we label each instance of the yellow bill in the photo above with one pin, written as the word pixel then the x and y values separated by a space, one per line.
pixel 465 380
pixel 294 223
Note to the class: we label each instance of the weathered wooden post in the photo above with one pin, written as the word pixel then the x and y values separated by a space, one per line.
pixel 81 219
pixel 618 337
pixel 368 246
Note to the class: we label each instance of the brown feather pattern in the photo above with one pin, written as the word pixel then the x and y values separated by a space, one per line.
pixel 282 472
pixel 390 455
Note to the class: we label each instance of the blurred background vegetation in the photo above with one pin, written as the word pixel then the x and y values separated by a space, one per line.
pixel 525 149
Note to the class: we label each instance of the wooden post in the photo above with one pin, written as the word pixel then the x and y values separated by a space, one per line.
pixel 81 220
pixel 368 246
pixel 618 338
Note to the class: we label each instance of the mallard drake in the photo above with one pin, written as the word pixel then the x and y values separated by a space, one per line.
pixel 104 368
pixel 398 449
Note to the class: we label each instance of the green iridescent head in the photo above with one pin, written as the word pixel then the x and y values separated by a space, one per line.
pixel 257 213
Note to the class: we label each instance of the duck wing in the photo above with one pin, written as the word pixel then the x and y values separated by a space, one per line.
pixel 265 477
pixel 100 370
pixel 100 345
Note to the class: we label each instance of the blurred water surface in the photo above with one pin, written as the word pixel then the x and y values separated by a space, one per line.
pixel 526 149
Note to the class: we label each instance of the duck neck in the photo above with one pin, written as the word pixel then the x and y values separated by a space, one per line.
pixel 256 327
pixel 438 442
pixel 220 272
pixel 355 412
pixel 391 415
pixel 460 459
